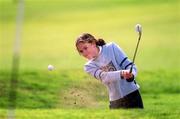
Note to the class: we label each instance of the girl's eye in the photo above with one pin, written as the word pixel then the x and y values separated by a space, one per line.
pixel 84 49
pixel 80 51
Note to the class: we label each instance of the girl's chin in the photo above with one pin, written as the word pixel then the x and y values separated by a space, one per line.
pixel 89 58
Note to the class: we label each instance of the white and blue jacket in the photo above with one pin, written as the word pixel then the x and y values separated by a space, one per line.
pixel 107 67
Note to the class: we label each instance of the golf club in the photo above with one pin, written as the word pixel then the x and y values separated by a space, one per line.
pixel 138 29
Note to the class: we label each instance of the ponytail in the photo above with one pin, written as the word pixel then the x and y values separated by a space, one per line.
pixel 86 37
pixel 100 42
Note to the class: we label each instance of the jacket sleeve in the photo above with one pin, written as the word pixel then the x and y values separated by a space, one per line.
pixel 122 59
pixel 104 77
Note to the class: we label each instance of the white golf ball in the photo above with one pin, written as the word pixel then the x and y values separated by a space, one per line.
pixel 50 67
pixel 138 28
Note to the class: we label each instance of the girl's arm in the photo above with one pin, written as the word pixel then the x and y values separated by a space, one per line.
pixel 104 77
pixel 122 59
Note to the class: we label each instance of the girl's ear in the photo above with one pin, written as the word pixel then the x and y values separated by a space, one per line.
pixel 94 43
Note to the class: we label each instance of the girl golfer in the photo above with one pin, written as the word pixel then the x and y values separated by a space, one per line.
pixel 110 65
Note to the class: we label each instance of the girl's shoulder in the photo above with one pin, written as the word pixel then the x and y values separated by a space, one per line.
pixel 89 65
pixel 110 45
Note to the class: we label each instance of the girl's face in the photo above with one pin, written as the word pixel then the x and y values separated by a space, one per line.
pixel 88 50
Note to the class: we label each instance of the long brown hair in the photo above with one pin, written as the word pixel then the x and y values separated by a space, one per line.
pixel 88 38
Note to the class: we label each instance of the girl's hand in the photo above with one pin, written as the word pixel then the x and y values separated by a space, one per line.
pixel 125 74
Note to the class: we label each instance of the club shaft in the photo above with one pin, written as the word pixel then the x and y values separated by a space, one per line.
pixel 137 45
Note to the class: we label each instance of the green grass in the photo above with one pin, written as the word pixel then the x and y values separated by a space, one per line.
pixel 65 89
pixel 50 28
pixel 49 25
pixel 68 95
pixel 156 108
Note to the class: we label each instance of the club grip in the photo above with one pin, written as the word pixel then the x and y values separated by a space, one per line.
pixel 130 71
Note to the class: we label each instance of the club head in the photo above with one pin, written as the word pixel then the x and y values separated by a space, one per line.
pixel 138 28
